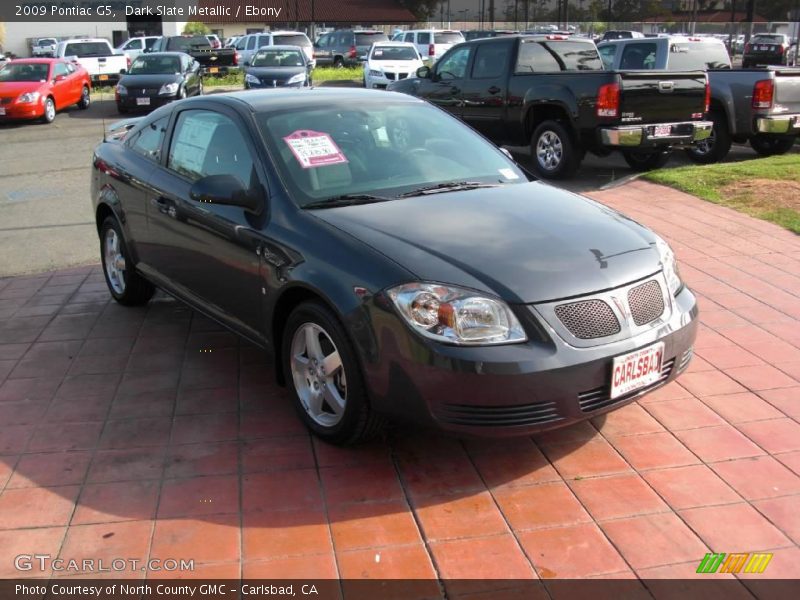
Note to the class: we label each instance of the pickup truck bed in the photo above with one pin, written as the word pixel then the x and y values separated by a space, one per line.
pixel 553 93
pixel 212 60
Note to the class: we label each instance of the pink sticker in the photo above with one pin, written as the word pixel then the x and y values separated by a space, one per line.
pixel 314 149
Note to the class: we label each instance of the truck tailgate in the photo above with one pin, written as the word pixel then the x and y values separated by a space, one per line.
pixel 787 89
pixel 662 96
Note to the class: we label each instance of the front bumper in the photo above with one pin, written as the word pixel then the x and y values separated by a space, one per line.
pixel 515 389
pixel 131 103
pixel 263 86
pixel 13 111
pixel 380 83
pixel 680 134
pixel 779 124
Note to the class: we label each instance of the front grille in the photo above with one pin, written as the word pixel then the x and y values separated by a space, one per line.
pixel 143 92
pixel 600 397
pixel 402 75
pixel 646 302
pixel 537 413
pixel 5 100
pixel 391 76
pixel 588 319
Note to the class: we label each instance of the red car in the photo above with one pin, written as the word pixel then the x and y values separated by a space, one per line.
pixel 35 88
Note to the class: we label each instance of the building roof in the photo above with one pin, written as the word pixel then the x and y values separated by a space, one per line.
pixel 307 11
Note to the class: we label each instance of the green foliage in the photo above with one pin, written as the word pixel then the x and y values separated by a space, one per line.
pixel 423 10
pixel 196 28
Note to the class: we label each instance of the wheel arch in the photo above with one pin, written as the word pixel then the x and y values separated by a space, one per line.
pixel 539 113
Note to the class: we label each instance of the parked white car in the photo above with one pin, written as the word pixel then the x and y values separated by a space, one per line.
pixel 390 61
pixel 432 43
pixel 44 47
pixel 96 55
pixel 136 45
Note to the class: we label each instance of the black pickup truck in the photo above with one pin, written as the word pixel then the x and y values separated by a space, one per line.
pixel 552 92
pixel 212 60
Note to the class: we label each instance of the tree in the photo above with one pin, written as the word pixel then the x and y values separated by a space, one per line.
pixel 423 10
pixel 196 28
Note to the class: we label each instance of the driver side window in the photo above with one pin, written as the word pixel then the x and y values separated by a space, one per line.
pixel 454 64
pixel 60 69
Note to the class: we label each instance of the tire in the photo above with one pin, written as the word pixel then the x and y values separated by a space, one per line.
pixel 338 62
pixel 49 110
pixel 333 404
pixel 714 148
pixel 200 89
pixel 553 151
pixel 182 93
pixel 646 161
pixel 86 98
pixel 125 284
pixel 771 146
pixel 122 110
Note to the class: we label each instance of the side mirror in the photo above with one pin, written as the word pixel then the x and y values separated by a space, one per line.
pixel 72 58
pixel 227 190
pixel 58 78
pixel 123 71
pixel 424 72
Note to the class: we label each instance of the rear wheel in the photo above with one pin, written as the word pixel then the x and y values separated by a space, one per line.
pixel 86 98
pixel 553 152
pixel 321 368
pixel 49 110
pixel 646 161
pixel 715 147
pixel 770 146
pixel 125 284
pixel 338 62
pixel 121 109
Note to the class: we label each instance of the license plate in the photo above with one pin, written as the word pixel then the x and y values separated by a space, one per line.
pixel 143 101
pixel 763 48
pixel 214 70
pixel 662 130
pixel 2 111
pixel 103 77
pixel 636 370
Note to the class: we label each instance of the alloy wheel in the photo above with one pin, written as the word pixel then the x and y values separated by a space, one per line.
pixel 114 261
pixel 549 150
pixel 318 374
pixel 49 110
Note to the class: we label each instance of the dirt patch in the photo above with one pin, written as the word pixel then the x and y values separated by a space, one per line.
pixel 765 193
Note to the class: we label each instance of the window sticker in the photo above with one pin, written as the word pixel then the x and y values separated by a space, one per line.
pixel 508 174
pixel 314 149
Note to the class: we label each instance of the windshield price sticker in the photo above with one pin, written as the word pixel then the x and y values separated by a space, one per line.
pixel 314 149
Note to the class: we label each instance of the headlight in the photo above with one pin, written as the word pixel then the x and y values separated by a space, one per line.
pixel 374 73
pixel 455 315
pixel 299 78
pixel 168 89
pixel 122 90
pixel 28 97
pixel 670 266
pixel 252 79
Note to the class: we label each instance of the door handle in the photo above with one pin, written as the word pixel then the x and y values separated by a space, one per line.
pixel 455 90
pixel 494 89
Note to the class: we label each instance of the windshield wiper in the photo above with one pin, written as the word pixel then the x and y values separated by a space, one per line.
pixel 453 186
pixel 346 200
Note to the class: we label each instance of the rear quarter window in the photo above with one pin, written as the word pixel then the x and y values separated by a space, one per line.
pixel 535 58
pixel 693 56
pixel 449 37
pixel 367 39
pixel 576 56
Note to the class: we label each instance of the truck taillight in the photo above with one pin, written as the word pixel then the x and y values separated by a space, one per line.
pixel 431 50
pixel 608 100
pixel 780 49
pixel 763 92
pixel 236 58
pixel 708 97
pixel 353 52
pixel 747 47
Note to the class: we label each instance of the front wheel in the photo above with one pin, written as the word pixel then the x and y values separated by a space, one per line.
pixel 49 111
pixel 553 151
pixel 125 284
pixel 320 367
pixel 86 98
pixel 716 146
pixel 200 89
pixel 646 161
pixel 770 146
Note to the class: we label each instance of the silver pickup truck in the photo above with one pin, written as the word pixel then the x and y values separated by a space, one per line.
pixel 759 105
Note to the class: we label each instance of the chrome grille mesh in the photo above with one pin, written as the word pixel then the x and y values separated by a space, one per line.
pixel 646 302
pixel 588 319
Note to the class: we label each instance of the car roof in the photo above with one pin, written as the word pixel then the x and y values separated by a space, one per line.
pixel 279 47
pixel 280 99
pixel 36 60
pixel 398 43
pixel 172 53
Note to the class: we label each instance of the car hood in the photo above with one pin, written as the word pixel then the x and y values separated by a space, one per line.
pixel 12 89
pixel 279 74
pixel 525 242
pixel 149 81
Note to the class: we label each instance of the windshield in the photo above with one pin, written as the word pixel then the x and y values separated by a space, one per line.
pixel 24 72
pixel 384 149
pixel 768 39
pixel 156 65
pixel 394 53
pixel 185 44
pixel 447 37
pixel 46 42
pixel 367 39
pixel 294 39
pixel 84 49
pixel 277 58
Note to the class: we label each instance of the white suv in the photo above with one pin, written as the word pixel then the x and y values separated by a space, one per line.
pixel 136 45
pixel 249 44
pixel 432 43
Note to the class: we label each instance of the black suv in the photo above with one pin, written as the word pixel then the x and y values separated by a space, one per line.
pixel 768 49
pixel 346 47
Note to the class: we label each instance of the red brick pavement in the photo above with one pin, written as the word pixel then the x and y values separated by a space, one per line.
pixel 120 438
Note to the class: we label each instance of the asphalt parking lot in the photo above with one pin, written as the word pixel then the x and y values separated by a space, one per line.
pixel 44 177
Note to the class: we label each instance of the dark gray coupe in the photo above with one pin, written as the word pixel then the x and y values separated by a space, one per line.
pixel 395 262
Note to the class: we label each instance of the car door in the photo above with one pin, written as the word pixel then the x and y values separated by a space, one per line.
pixel 63 86
pixel 322 50
pixel 485 91
pixel 207 253
pixel 443 87
pixel 76 82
